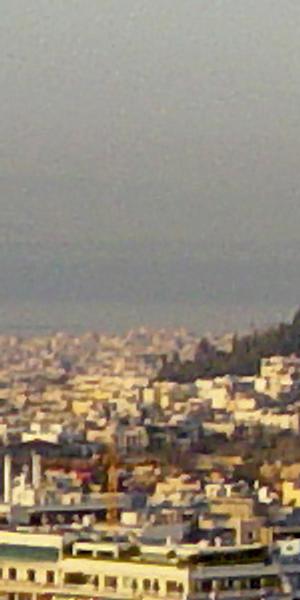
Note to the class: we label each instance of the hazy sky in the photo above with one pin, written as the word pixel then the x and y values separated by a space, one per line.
pixel 149 163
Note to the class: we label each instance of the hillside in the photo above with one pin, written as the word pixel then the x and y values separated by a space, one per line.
pixel 244 359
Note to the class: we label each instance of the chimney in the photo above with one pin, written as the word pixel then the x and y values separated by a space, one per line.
pixel 7 479
pixel 36 471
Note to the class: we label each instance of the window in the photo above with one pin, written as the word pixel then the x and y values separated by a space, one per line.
pixel 171 587
pixel 255 583
pixel 12 574
pixel 50 576
pixel 105 554
pixel 207 585
pixel 1 573
pixel 31 575
pixel 110 582
pixel 84 553
pixel 76 578
pixel 174 588
pixel 146 585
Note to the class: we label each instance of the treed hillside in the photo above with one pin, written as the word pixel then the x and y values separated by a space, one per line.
pixel 247 350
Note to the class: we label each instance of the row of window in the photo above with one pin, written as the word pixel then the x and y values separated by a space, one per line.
pixel 111 583
pixel 31 575
pixel 148 585
pixel 246 583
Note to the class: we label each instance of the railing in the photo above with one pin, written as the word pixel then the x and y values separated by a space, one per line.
pixel 91 590
pixel 244 595
pixel 82 590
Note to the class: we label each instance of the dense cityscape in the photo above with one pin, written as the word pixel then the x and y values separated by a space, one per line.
pixel 117 483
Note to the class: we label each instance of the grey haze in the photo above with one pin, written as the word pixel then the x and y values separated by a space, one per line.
pixel 149 163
